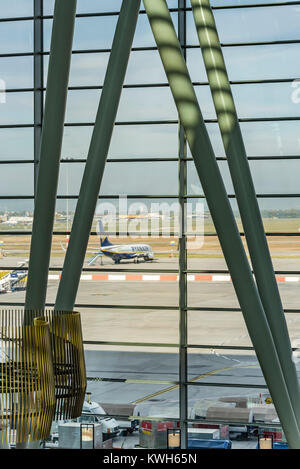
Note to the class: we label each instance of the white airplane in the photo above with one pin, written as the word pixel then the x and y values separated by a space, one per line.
pixel 117 252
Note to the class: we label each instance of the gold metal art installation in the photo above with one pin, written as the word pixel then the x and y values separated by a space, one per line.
pixel 26 380
pixel 68 362
pixel 42 373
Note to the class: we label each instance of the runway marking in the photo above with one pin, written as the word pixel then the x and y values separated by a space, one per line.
pixel 165 278
pixel 197 378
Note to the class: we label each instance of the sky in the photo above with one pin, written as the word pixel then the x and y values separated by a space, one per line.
pixel 243 63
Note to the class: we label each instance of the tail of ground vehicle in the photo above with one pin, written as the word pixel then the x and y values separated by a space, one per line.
pixel 92 412
pixel 126 424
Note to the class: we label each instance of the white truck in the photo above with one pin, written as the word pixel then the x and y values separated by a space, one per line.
pixel 92 412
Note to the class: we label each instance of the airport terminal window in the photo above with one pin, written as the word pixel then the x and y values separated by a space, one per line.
pixel 137 340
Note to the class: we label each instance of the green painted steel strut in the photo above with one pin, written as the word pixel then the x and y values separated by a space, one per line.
pixel 50 151
pixel 97 155
pixel 221 212
pixel 245 193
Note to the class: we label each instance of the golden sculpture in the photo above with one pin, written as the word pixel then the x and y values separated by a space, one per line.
pixel 42 373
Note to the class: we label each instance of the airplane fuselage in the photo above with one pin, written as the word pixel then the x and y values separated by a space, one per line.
pixel 118 252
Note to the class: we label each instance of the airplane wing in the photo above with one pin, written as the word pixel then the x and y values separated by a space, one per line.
pixel 88 250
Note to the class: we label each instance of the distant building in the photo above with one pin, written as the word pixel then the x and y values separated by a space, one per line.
pixel 19 220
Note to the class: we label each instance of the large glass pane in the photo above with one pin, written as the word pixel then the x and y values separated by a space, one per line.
pixel 98 32
pixel 216 293
pixel 128 141
pixel 158 104
pixel 273 138
pixel 251 25
pixel 16 144
pixel 280 215
pixel 251 63
pixel 209 328
pixel 145 67
pixel 138 381
pixel 283 180
pixel 16 179
pixel 144 141
pixel 16 8
pixel 16 247
pixel 129 179
pixel 16 36
pixel 9 209
pixel 113 325
pixel 256 101
pixel 17 109
pixel 17 72
pixel 87 6
pixel 220 3
pixel 93 6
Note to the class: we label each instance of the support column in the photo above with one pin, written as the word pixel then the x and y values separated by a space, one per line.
pixel 245 192
pixel 221 212
pixel 52 135
pixel 38 80
pixel 97 155
pixel 183 326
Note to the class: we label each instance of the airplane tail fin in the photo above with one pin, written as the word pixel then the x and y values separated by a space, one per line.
pixel 103 242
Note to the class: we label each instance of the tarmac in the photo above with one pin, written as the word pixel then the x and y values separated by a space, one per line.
pixel 122 317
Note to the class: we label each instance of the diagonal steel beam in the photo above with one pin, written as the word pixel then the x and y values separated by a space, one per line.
pixel 50 151
pixel 245 192
pixel 97 155
pixel 221 212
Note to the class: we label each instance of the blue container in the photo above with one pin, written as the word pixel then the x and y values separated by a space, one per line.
pixel 194 443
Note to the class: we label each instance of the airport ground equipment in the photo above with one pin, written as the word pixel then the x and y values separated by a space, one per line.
pixel 204 433
pixel 245 192
pixel 27 393
pixel 92 412
pixel 221 212
pixel 154 434
pixel 225 414
pixel 74 435
pixel 194 443
pixel 125 424
pixel 280 445
pixel 14 280
pixel 223 429
pixel 50 152
pixel 94 168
